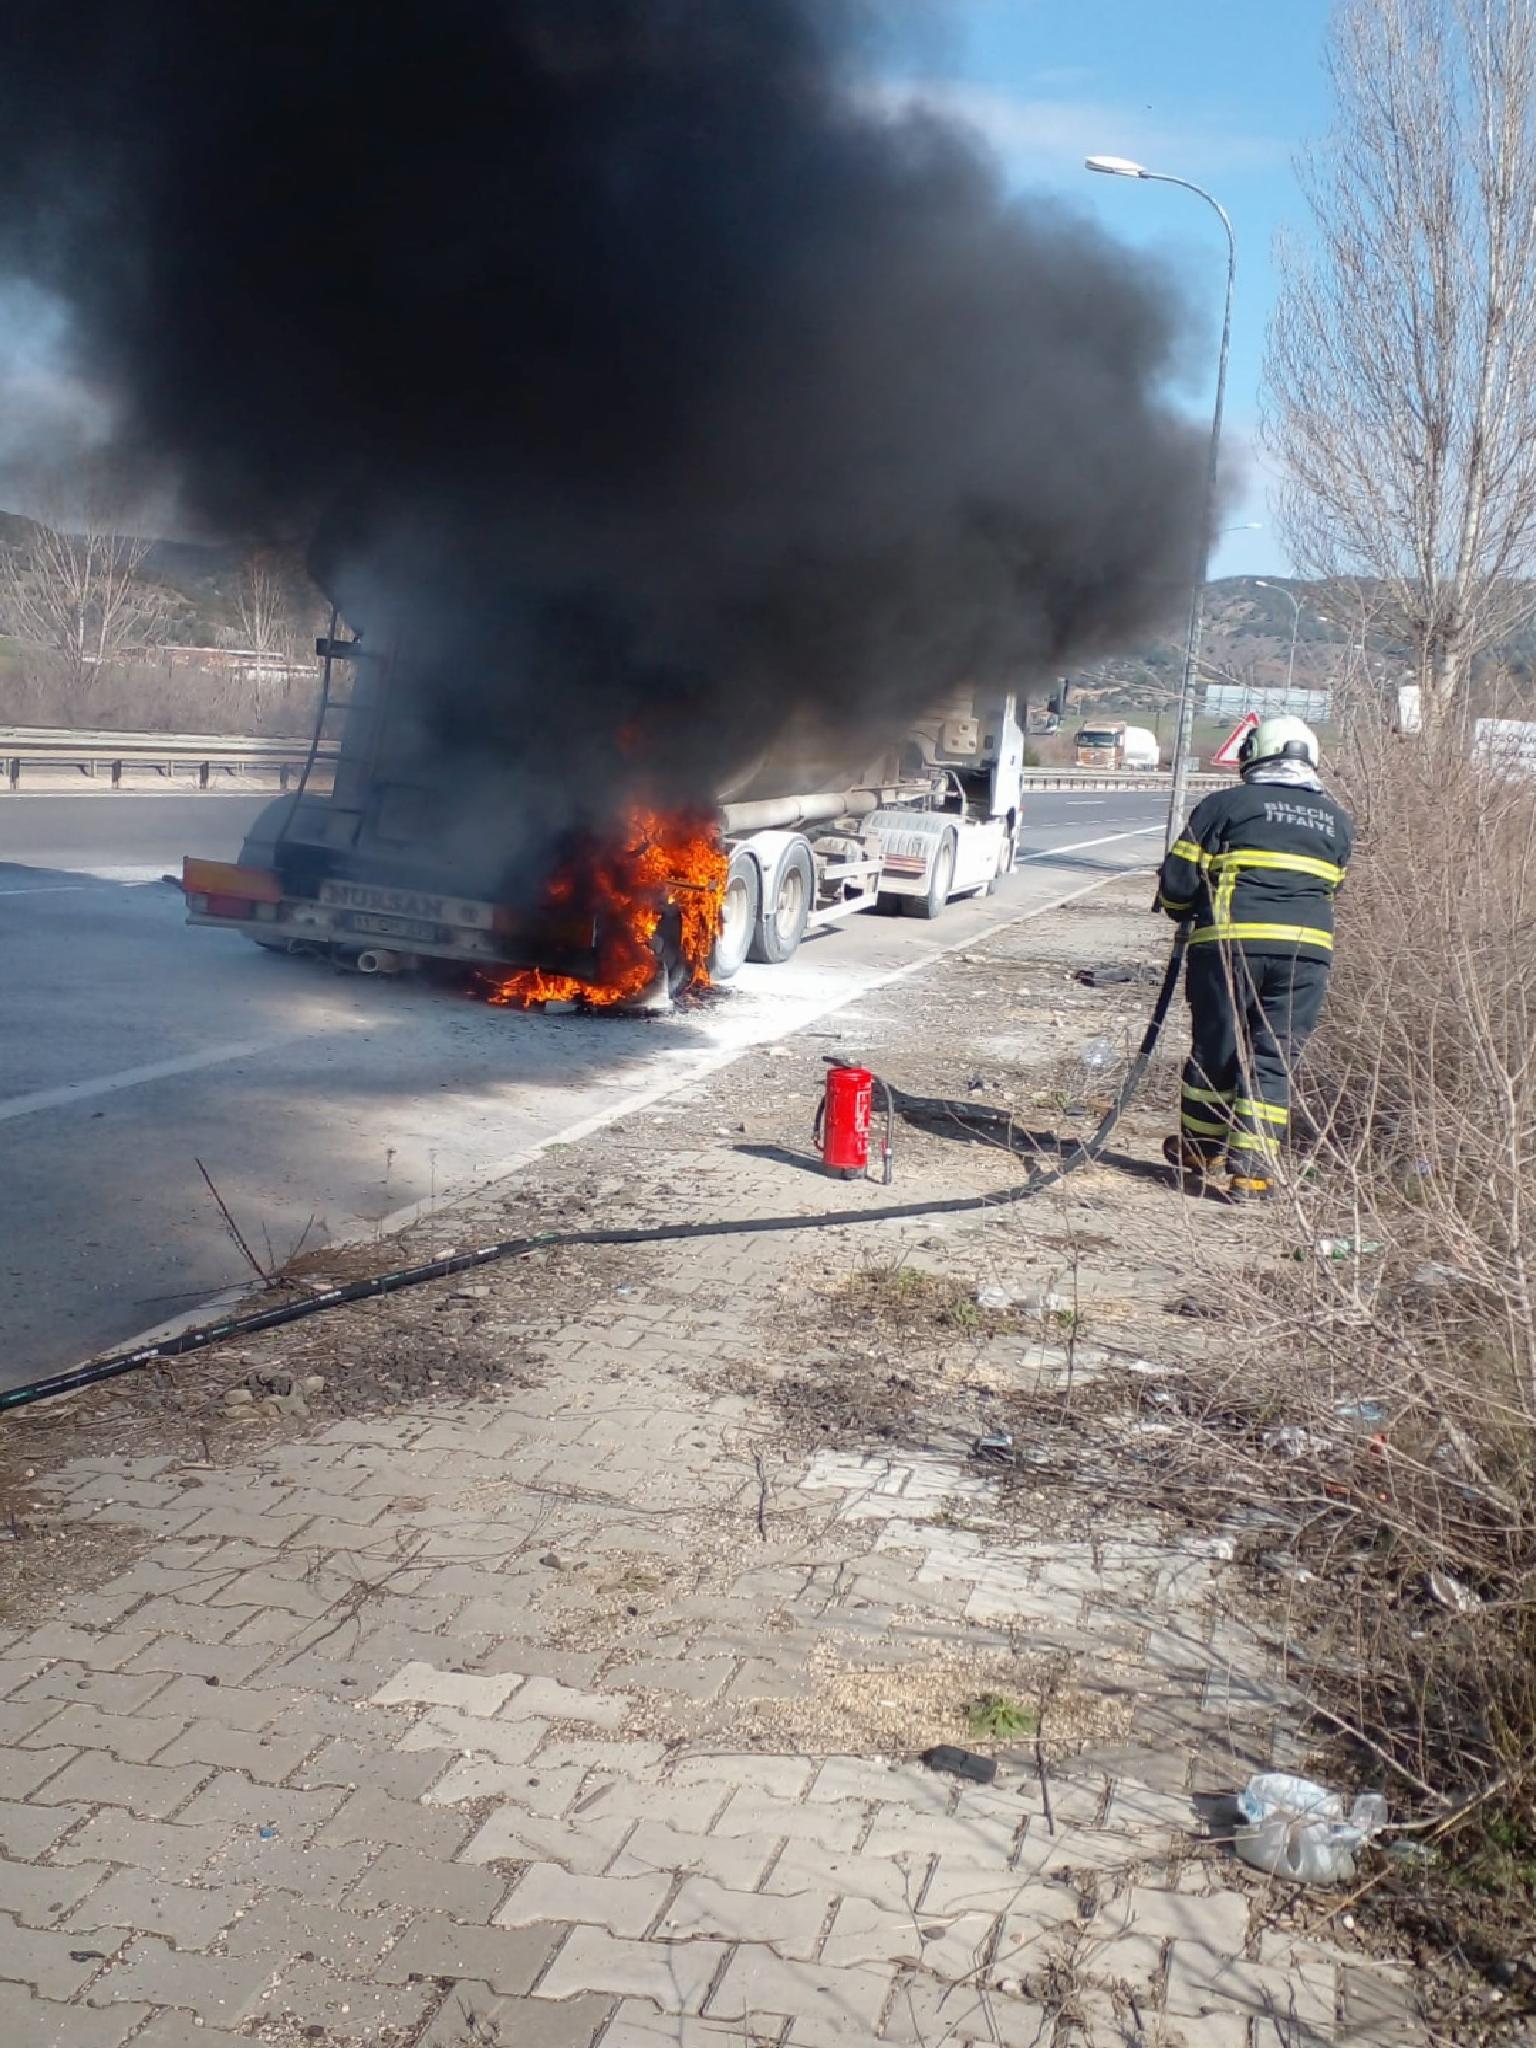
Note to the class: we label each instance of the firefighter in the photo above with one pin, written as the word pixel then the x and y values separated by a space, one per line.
pixel 1255 874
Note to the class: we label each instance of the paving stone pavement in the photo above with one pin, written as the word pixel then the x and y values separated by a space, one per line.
pixel 417 1730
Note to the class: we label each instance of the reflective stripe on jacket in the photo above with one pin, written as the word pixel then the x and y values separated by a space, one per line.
pixel 1259 865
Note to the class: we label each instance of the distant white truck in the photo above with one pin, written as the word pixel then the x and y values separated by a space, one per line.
pixel 1114 747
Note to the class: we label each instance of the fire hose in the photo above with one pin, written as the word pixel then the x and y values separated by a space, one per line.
pixel 380 1284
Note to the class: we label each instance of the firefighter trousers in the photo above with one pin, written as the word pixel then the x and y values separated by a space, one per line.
pixel 1250 1015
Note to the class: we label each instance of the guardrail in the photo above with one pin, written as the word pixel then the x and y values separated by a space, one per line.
pixel 96 754
pixel 1088 778
pixel 92 754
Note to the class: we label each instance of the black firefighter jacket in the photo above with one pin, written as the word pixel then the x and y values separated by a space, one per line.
pixel 1259 866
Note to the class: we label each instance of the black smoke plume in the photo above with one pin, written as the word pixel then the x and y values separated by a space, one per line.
pixel 660 384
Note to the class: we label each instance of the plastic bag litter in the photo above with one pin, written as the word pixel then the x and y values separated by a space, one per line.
pixel 1367 1412
pixel 1296 1828
pixel 1337 1248
pixel 996 1447
pixel 1289 1441
pixel 1451 1593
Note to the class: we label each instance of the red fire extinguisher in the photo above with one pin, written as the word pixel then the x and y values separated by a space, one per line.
pixel 843 1119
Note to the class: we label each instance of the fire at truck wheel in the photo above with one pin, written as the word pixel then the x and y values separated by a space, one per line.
pixel 786 905
pixel 932 905
pixel 739 914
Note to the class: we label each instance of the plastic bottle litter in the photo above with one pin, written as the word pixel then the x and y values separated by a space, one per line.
pixel 1098 1054
pixel 1296 1828
pixel 994 1297
pixel 1343 1248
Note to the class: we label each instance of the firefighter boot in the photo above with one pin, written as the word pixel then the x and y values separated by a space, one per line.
pixel 1192 1161
pixel 1249 1187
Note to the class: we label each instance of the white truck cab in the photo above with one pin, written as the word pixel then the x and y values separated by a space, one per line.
pixel 945 825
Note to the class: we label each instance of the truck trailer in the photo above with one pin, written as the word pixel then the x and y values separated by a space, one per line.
pixel 379 874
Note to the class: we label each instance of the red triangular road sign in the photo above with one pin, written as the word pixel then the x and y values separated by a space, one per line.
pixel 1226 755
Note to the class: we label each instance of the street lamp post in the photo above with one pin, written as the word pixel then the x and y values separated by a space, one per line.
pixel 1295 604
pixel 1183 744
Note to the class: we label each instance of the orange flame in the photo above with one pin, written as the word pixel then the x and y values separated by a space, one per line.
pixel 658 860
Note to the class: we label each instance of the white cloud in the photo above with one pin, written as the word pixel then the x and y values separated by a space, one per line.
pixel 1042 135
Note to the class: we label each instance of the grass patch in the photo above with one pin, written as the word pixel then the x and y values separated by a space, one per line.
pixel 899 1297
pixel 996 1718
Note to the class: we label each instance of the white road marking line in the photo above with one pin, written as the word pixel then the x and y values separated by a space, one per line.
pixel 60 889
pixel 135 871
pixel 1081 845
pixel 71 1092
pixel 101 878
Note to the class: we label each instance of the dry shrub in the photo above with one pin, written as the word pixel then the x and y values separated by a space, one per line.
pixel 156 694
pixel 1383 1403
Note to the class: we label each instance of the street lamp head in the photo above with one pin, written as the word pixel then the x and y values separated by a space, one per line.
pixel 1117 167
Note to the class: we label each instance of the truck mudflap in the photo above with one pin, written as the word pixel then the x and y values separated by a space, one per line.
pixel 907 843
pixel 910 844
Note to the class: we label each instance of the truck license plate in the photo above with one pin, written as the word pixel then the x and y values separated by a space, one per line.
pixel 391 927
pixel 423 908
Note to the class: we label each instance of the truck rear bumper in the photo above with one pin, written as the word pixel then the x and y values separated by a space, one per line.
pixel 300 925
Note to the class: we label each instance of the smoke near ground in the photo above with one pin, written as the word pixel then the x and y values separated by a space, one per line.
pixel 623 354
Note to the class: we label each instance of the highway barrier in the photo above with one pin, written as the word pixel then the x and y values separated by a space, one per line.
pixel 221 760
pixel 198 760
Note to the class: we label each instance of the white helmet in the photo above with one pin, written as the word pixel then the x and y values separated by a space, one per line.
pixel 1279 739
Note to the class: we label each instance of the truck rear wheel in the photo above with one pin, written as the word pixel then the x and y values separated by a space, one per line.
pixel 786 905
pixel 738 915
pixel 932 905
pixel 1005 859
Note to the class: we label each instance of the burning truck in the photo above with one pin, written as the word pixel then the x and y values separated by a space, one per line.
pixel 661 397
pixel 414 858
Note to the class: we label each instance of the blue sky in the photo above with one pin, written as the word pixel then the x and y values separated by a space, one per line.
pixel 1222 92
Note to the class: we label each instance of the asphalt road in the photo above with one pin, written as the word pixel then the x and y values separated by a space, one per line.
pixel 326 1106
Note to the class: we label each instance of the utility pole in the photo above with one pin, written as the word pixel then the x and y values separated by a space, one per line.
pixel 1184 735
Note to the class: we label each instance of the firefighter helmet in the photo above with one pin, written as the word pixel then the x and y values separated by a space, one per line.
pixel 1279 739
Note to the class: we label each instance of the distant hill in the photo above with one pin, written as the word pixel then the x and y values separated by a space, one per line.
pixel 203 579
pixel 1247 635
pixel 1247 641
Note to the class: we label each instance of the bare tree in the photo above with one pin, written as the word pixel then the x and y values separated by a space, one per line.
pixel 74 585
pixel 262 601
pixel 1402 361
